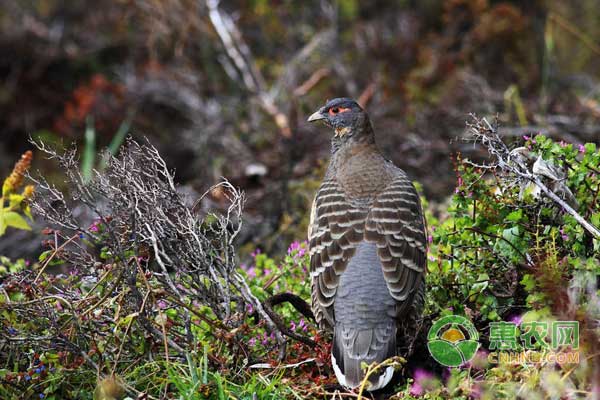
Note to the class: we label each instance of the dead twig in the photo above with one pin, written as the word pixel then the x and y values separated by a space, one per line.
pixel 239 54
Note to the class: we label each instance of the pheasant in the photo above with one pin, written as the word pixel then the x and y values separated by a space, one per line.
pixel 367 248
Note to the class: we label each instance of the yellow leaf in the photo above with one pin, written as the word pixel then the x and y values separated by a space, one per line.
pixel 15 220
pixel 15 200
pixel 2 223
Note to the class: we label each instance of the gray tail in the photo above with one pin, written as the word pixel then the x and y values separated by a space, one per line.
pixel 353 346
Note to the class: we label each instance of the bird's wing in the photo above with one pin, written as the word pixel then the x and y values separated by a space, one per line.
pixel 335 230
pixel 396 225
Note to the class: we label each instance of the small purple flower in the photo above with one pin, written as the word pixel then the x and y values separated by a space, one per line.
pixel 581 148
pixel 430 239
pixel 255 253
pixel 81 236
pixel 252 342
pixel 251 272
pixel 42 395
pixel 27 263
pixel 562 143
pixel 516 319
pixel 93 228
pixel 264 340
pixel 295 245
pixel 27 377
pixel 37 370
pixel 420 376
pixel 12 331
pixel 161 304
pixel 416 389
pixel 249 308
pixel 302 325
pixel 297 249
pixel 476 391
pixel 525 137
pixel 563 235
pixel 292 325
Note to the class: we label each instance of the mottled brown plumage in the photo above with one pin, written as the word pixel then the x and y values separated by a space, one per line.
pixel 367 246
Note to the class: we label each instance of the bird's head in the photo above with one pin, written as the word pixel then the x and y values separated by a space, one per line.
pixel 348 120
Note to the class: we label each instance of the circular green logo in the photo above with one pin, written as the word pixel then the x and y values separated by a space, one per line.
pixel 452 340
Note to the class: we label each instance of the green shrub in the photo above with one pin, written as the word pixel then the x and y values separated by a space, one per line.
pixel 506 251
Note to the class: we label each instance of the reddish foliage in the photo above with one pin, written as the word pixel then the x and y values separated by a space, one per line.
pixel 98 97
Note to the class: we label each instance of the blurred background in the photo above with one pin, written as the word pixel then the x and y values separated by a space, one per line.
pixel 224 89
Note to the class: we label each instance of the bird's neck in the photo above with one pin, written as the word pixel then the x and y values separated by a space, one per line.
pixel 353 149
pixel 347 139
pixel 359 169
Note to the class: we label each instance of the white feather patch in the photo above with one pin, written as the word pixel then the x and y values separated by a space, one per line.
pixel 383 380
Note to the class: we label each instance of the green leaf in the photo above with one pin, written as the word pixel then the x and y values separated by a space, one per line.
pixel 528 282
pixel 89 151
pixel 595 219
pixel 515 216
pixel 511 234
pixel 493 315
pixel 44 256
pixel 125 320
pixel 119 137
pixel 15 220
pixel 590 148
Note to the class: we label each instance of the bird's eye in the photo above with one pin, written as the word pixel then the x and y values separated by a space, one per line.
pixel 334 110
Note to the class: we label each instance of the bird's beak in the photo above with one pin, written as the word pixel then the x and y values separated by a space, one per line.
pixel 316 116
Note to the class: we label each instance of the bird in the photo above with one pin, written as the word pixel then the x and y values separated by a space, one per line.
pixel 367 245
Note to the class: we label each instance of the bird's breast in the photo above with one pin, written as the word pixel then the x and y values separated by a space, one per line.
pixel 362 179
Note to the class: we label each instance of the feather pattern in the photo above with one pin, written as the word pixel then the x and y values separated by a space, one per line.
pixel 336 228
pixel 392 220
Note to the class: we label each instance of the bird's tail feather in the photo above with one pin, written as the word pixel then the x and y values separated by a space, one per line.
pixel 352 346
